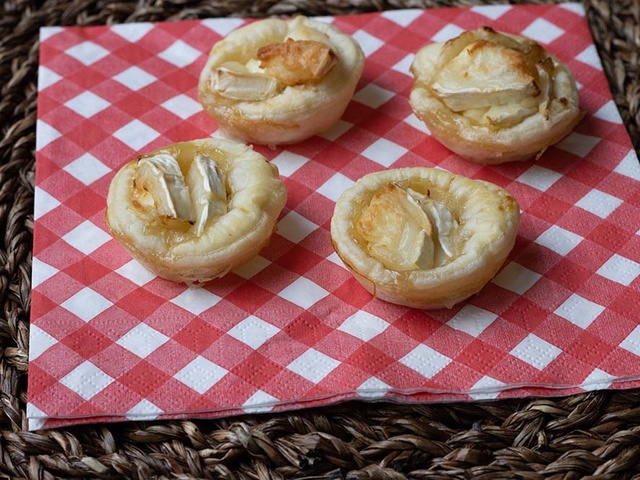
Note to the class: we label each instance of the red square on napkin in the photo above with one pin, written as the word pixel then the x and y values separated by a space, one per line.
pixel 292 328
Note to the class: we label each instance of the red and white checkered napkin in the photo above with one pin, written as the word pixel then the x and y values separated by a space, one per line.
pixel 110 342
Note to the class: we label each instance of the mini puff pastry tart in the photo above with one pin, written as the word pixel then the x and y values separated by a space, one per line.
pixel 423 237
pixel 192 211
pixel 280 81
pixel 492 97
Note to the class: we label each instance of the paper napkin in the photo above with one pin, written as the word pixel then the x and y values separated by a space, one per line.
pixel 109 341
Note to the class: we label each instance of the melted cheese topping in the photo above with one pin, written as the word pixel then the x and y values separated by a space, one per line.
pixel 493 97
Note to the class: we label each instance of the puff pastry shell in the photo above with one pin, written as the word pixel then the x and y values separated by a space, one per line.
pixel 222 224
pixel 492 97
pixel 479 236
pixel 280 81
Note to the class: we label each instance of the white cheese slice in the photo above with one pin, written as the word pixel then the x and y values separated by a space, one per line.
pixel 208 191
pixel 398 232
pixel 445 226
pixel 485 74
pixel 161 177
pixel 236 81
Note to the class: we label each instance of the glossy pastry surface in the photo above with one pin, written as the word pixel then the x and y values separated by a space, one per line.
pixel 278 81
pixel 424 237
pixel 192 211
pixel 492 97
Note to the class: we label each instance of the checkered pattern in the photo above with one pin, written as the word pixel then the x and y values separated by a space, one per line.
pixel 292 328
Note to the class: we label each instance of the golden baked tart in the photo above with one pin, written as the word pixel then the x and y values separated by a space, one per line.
pixel 192 211
pixel 424 237
pixel 493 97
pixel 278 81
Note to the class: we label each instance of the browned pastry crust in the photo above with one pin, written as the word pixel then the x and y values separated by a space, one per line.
pixel 185 230
pixel 279 81
pixel 402 249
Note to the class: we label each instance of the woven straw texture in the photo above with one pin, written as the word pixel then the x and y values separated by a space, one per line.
pixel 594 435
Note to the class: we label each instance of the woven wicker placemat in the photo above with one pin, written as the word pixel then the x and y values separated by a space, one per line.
pixel 594 435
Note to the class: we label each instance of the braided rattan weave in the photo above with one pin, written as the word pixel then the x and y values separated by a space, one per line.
pixel 594 435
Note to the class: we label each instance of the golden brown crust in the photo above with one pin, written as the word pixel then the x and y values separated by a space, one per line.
pixel 174 249
pixel 492 97
pixel 315 66
pixel 487 223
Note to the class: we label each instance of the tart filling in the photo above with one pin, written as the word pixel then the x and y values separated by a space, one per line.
pixel 192 211
pixel 492 97
pixel 280 81
pixel 423 237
